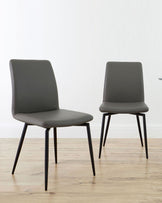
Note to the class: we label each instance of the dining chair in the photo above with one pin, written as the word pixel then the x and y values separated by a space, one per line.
pixel 123 94
pixel 35 102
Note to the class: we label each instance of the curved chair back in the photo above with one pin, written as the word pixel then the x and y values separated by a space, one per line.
pixel 123 82
pixel 34 86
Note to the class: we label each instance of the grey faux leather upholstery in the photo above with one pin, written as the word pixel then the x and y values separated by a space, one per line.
pixel 35 97
pixel 123 107
pixel 34 86
pixel 123 88
pixel 55 118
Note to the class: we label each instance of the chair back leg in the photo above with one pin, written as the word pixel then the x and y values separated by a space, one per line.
pixel 107 127
pixel 55 143
pixel 102 133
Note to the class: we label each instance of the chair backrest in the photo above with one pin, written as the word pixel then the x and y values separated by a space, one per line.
pixel 123 82
pixel 34 86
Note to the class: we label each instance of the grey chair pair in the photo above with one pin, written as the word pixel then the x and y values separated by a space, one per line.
pixel 35 101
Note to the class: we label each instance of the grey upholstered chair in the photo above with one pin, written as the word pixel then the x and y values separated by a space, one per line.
pixel 35 102
pixel 124 94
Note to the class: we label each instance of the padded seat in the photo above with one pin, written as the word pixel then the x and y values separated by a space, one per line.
pixel 55 118
pixel 123 107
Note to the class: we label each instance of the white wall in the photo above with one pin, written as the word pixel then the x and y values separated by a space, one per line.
pixel 79 37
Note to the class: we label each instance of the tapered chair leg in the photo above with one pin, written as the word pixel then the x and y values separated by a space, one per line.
pixel 145 134
pixel 90 148
pixel 19 147
pixel 102 133
pixel 46 156
pixel 107 127
pixel 139 129
pixel 55 143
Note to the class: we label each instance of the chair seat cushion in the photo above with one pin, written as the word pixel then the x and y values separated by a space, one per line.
pixel 54 118
pixel 116 107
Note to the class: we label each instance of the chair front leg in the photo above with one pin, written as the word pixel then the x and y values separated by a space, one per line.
pixel 90 147
pixel 55 143
pixel 139 129
pixel 102 133
pixel 19 147
pixel 145 134
pixel 46 156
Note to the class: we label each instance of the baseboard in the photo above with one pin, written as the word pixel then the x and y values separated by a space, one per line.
pixel 115 131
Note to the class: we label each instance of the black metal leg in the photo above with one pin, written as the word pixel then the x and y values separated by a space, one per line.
pixel 90 147
pixel 46 156
pixel 55 143
pixel 19 147
pixel 107 127
pixel 139 129
pixel 145 134
pixel 102 132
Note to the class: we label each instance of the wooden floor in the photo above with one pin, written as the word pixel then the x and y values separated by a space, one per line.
pixel 122 175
